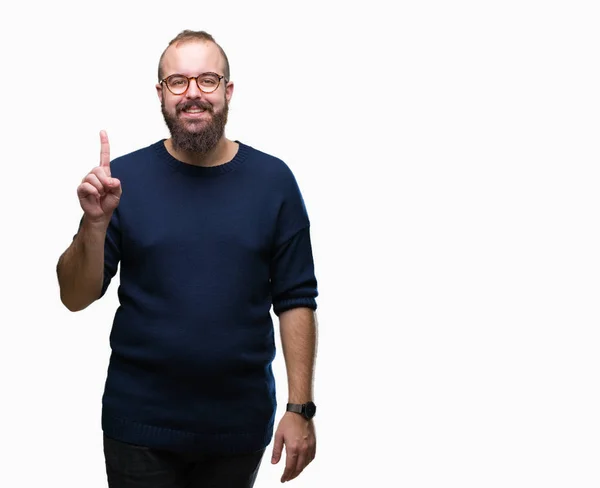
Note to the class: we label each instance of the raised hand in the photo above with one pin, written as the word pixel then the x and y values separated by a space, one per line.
pixel 99 193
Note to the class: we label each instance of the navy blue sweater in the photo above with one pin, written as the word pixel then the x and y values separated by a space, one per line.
pixel 204 253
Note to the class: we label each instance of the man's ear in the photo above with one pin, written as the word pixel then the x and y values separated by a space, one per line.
pixel 229 91
pixel 159 91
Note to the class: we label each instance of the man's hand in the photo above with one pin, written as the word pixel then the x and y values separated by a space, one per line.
pixel 98 193
pixel 298 435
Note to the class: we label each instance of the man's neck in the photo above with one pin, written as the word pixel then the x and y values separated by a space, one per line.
pixel 222 153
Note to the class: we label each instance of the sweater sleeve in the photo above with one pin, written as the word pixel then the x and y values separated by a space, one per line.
pixel 293 282
pixel 112 250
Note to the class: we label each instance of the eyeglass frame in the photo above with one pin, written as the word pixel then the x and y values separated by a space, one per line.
pixel 190 78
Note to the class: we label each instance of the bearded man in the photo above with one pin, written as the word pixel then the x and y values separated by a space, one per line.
pixel 209 234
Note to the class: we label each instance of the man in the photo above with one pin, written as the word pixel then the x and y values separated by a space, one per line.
pixel 209 233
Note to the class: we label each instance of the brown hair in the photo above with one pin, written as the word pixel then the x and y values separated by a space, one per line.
pixel 190 35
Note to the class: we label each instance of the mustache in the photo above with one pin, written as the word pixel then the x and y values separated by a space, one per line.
pixel 194 104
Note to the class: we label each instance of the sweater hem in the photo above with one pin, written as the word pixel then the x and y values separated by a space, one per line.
pixel 226 442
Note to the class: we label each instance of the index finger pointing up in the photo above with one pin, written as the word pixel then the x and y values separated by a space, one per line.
pixel 104 152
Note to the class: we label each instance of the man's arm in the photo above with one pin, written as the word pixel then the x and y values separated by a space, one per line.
pixel 293 291
pixel 80 269
pixel 298 328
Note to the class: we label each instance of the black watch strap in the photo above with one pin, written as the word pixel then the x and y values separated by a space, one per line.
pixel 294 407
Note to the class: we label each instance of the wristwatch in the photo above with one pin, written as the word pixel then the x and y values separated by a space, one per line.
pixel 307 410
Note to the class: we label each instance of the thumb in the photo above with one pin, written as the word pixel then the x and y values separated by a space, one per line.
pixel 277 448
pixel 115 187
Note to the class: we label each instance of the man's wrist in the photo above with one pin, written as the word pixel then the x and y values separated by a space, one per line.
pixel 307 409
pixel 99 226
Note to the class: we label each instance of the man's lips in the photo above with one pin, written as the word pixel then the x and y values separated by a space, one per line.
pixel 193 111
pixel 192 114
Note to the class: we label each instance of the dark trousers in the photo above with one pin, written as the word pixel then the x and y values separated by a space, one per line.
pixel 132 466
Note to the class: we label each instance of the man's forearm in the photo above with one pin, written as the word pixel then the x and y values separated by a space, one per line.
pixel 298 328
pixel 80 269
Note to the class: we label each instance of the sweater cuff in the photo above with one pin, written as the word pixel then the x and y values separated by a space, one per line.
pixel 284 305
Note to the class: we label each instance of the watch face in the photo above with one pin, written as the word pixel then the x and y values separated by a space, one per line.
pixel 310 410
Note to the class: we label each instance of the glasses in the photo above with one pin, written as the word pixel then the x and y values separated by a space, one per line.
pixel 207 82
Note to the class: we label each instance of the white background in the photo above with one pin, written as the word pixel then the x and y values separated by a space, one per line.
pixel 448 157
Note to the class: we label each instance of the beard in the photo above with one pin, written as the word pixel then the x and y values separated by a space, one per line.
pixel 196 136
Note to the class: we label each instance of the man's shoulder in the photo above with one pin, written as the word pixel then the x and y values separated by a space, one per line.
pixel 135 157
pixel 269 163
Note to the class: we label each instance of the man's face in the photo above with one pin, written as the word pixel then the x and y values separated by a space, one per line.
pixel 195 119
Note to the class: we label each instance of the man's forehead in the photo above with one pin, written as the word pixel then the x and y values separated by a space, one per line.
pixel 192 51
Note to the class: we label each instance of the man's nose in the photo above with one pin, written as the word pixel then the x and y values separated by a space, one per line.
pixel 193 91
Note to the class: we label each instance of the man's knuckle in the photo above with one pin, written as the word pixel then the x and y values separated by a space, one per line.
pixel 99 172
